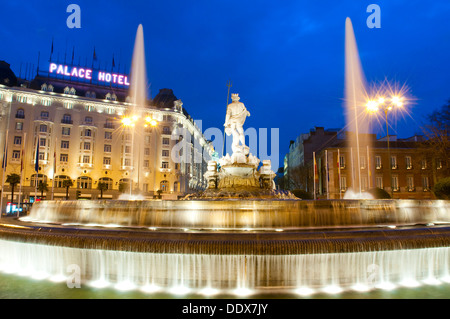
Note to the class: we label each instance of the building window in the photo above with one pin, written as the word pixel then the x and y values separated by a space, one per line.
pixel 342 161
pixel 425 184
pixel 164 186
pixel 394 183
pixel 127 162
pixel 68 105
pixel 108 181
pixel 107 148
pixel 44 115
pixel 176 187
pixel 166 141
pixel 41 156
pixel 343 183
pixel 88 120
pixel 88 133
pixel 379 182
pixel 42 142
pixel 378 162
pixel 146 151
pixel 66 131
pixel 165 153
pixel 165 165
pixel 364 183
pixel 19 126
pixel 362 160
pixel 20 114
pixel 86 159
pixel 147 139
pixel 108 135
pixel 84 182
pixel 127 149
pixel 43 128
pixel 408 161
pixel 44 87
pixel 16 155
pixel 410 183
pixel 166 130
pixel 65 144
pixel 146 163
pixel 36 179
pixel 17 140
pixel 393 162
pixel 87 147
pixel 67 119
pixel 64 158
pixel 106 160
pixel 59 181
pixel 423 163
pixel 438 163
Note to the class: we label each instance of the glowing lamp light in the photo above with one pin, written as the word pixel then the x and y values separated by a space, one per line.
pixel 304 291
pixel 372 106
pixel 127 121
pixel 242 292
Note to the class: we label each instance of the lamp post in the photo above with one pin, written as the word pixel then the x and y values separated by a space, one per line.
pixel 387 105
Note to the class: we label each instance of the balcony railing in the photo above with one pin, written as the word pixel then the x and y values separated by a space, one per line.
pixel 66 121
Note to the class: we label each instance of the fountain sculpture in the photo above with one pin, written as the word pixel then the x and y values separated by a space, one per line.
pixel 239 236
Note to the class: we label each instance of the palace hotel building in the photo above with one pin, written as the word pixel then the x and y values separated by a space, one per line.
pixel 58 126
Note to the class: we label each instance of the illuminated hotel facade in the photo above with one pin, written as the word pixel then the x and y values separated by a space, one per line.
pixel 76 130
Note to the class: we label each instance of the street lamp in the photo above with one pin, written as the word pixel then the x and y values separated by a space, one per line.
pixel 387 105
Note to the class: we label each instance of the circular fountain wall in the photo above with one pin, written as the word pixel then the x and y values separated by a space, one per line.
pixel 240 246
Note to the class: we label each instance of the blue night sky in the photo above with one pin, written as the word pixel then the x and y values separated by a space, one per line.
pixel 285 58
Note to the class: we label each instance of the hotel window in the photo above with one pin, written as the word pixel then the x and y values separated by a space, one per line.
pixel 146 163
pixel 59 181
pixel 393 162
pixel 438 163
pixel 127 149
pixel 176 187
pixel 109 124
pixel 423 163
pixel 73 91
pixel 425 183
pixel 166 118
pixel 44 115
pixel 16 155
pixel 88 133
pixel 165 153
pixel 165 165
pixel 66 90
pixel 166 130
pixel 88 120
pixel 17 140
pixel 66 131
pixel 41 156
pixel 20 114
pixel 108 135
pixel 378 162
pixel 65 144
pixel 39 178
pixel 108 181
pixel 84 182
pixel 147 139
pixel 46 102
pixel 42 142
pixel 166 141
pixel 64 158
pixel 410 183
pixel 68 105
pixel 342 161
pixel 408 160
pixel 86 159
pixel 127 162
pixel 106 160
pixel 44 87
pixel 107 148
pixel 43 128
pixel 50 88
pixel 146 151
pixel 89 108
pixel 379 182
pixel 67 119
pixel 164 186
pixel 19 126
pixel 394 183
pixel 343 183
pixel 127 137
pixel 362 162
pixel 87 146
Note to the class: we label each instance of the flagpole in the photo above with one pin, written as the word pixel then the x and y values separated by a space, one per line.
pixel 21 173
pixel 36 168
pixel 339 174
pixel 328 177
pixel 54 167
pixel 368 168
pixel 315 167
pixel 5 162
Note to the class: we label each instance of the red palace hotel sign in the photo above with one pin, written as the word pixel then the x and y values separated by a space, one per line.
pixel 85 73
